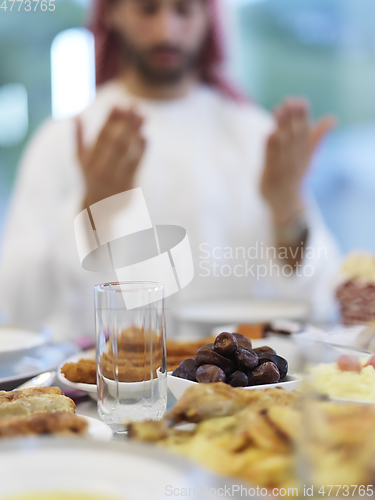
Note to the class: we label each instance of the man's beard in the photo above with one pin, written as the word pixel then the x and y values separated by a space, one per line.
pixel 142 61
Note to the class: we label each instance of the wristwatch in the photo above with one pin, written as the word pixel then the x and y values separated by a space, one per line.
pixel 294 232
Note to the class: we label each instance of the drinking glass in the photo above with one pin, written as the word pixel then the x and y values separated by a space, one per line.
pixel 130 352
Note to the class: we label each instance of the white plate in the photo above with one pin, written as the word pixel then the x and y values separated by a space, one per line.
pixel 135 388
pixel 17 342
pixel 242 311
pixel 112 471
pixel 338 335
pixel 178 386
pixel 42 359
pixel 98 430
pixel 89 388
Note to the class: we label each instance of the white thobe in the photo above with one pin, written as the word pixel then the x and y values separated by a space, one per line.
pixel 201 171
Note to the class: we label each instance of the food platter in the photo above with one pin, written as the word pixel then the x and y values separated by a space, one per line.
pixel 239 424
pixel 112 471
pixel 284 346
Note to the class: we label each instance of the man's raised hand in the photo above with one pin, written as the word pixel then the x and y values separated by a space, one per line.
pixel 110 164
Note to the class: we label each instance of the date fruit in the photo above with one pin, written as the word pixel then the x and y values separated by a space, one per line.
pixel 207 374
pixel 243 342
pixel 181 374
pixel 177 372
pixel 238 379
pixel 281 363
pixel 246 360
pixel 267 373
pixel 226 344
pixel 265 348
pixel 206 356
pixel 189 366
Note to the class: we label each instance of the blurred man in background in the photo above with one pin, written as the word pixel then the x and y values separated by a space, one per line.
pixel 165 119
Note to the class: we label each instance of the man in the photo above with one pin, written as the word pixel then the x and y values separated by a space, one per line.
pixel 164 119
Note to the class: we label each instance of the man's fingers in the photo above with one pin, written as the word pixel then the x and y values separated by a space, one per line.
pixel 131 158
pixel 300 137
pixel 322 127
pixel 300 112
pixel 115 138
pixel 293 135
pixel 136 152
pixel 123 141
pixel 115 119
pixel 273 150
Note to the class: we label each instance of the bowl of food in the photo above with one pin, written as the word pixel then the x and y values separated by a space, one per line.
pixel 232 359
pixel 356 289
pixel 79 372
pixel 351 378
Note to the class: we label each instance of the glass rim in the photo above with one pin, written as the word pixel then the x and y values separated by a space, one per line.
pixel 110 286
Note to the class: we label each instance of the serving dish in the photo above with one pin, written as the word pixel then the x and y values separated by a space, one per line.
pixel 89 388
pixel 108 471
pixel 178 386
pixel 125 388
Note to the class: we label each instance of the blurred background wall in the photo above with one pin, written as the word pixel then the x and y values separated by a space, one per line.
pixel 321 49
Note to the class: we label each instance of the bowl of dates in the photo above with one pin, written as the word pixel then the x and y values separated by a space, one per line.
pixel 232 359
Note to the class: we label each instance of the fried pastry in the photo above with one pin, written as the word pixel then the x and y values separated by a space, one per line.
pixel 244 433
pixel 84 371
pixel 257 438
pixel 43 423
pixel 202 401
pixel 37 400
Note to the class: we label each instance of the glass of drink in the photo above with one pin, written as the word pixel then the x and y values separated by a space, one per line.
pixel 130 352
